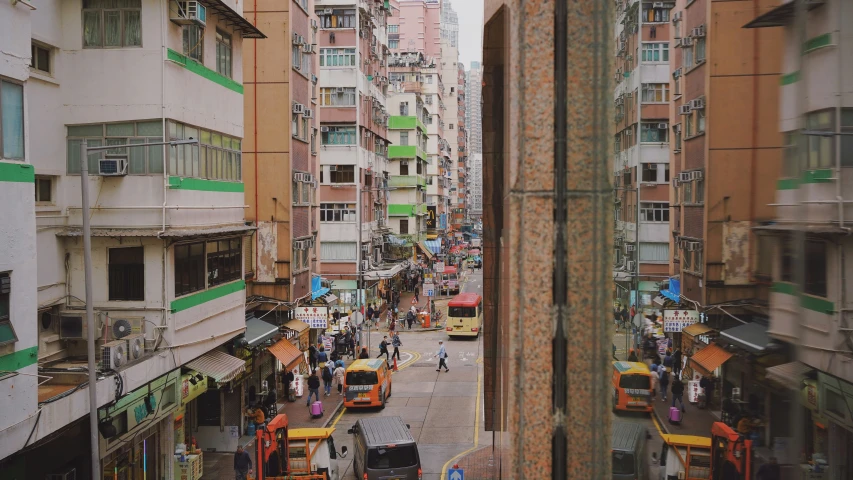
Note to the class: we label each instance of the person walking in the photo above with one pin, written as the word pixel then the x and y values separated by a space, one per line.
pixel 667 360
pixel 313 387
pixel 655 382
pixel 383 348
pixel 410 318
pixel 312 356
pixel 287 380
pixel 677 390
pixel 632 356
pixel 242 464
pixel 370 312
pixel 322 357
pixel 364 354
pixel 442 357
pixel 417 295
pixel 328 376
pixel 396 343
pixel 676 363
pixel 339 376
pixel 664 382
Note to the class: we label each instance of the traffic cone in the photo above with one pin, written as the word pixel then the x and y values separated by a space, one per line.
pixel 395 364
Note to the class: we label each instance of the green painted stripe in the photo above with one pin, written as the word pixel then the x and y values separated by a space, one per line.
pixel 789 78
pixel 818 176
pixel 817 42
pixel 401 209
pixel 180 183
pixel 787 184
pixel 196 299
pixel 397 122
pixel 809 302
pixel 402 151
pixel 19 359
pixel 17 172
pixel 205 72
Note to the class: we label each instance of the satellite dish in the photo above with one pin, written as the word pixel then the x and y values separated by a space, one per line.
pixel 121 328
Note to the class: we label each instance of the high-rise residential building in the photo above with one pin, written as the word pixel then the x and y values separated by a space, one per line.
pixel 641 150
pixel 475 185
pixel 461 173
pixel 810 228
pixel 449 81
pixel 475 108
pixel 168 232
pixel 418 26
pixel 353 141
pixel 282 87
pixel 449 24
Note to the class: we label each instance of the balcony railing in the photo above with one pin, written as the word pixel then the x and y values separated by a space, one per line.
pixel 407 181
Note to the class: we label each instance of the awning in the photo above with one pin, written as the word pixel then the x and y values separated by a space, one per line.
pixel 673 292
pixel 155 232
pixel 710 358
pixel 426 250
pixel 394 240
pixel 319 293
pixel 807 228
pixel 287 354
pixel 317 288
pixel 434 245
pixel 329 299
pixel 751 337
pixel 218 365
pixel 344 285
pixel 259 331
pixel 781 15
pixel 697 329
pixel 297 326
pixel 790 375
pixel 659 300
pixel 380 274
pixel 237 21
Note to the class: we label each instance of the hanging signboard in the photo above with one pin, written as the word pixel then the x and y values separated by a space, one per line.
pixel 675 320
pixel 430 221
pixel 315 317
pixel 429 290
pixel 438 267
pixel 193 384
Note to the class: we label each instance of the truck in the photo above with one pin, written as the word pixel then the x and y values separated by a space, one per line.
pixel 725 455
pixel 306 453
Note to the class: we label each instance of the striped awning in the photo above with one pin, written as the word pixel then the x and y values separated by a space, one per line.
pixel 789 375
pixel 218 365
pixel 287 354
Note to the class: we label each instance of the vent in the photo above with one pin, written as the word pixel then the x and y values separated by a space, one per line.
pixel 114 355
pixel 135 347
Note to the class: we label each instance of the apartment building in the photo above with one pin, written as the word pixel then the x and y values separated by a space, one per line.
pixel 475 107
pixel 449 24
pixel 282 87
pixel 450 94
pixel 167 223
pixel 418 27
pixel 811 194
pixel 641 150
pixel 353 144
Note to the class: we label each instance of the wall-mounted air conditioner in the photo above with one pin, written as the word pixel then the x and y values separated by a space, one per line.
pixel 686 42
pixel 630 265
pixel 698 31
pixel 324 129
pixel 112 167
pixel 135 347
pixel 308 113
pixel 697 103
pixel 662 126
pixel 298 108
pixel 684 109
pixel 629 247
pixel 327 11
pixel 114 355
pixel 72 326
pixel 189 13
pixel 684 177
pixel 123 327
pixel 629 132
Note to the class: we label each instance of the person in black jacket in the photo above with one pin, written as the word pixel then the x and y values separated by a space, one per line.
pixel 312 356
pixel 287 379
pixel 242 463
pixel 313 387
pixel 677 390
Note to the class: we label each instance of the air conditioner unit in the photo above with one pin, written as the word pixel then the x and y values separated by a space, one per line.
pixel 314 79
pixel 676 73
pixel 686 42
pixel 324 129
pixel 677 128
pixel 699 31
pixel 112 167
pixel 662 126
pixel 365 265
pixel 298 108
pixel 135 347
pixel 70 474
pixel 629 132
pixel 307 48
pixel 308 113
pixel 296 39
pixel 630 265
pixel 72 326
pixel 684 177
pixel 327 11
pixel 404 163
pixel 314 24
pixel 190 13
pixel 333 168
pixel 657 5
pixel 297 177
pixel 684 109
pixel 698 174
pixel 629 247
pixel 697 103
pixel 123 327
pixel 114 355
pixel 339 89
pixel 677 43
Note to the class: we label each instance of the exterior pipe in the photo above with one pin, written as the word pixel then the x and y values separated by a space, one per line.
pixel 838 105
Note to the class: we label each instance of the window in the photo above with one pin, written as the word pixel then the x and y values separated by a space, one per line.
pixel 686 261
pixel 699 191
pixel 698 263
pixel 339 18
pixel 655 92
pixel 815 271
pixel 656 52
pixel 189 268
pixel 223 53
pixel 393 28
pixel 699 49
pixel 40 58
pixel 790 156
pixel 141 160
pixel 688 125
pixel 313 141
pixel 339 135
pixel 655 15
pixel 678 140
pixel 687 192
pixel 11 120
pixel 451 126
pixel 338 251
pixel 687 58
pixel 654 132
pixel 847 140
pixel 44 190
pixel 307 64
pixel 305 125
pixel 337 97
pixel 650 172
pixel 7 331
pixel 193 36
pixel 404 108
pixel 337 57
pixel 393 44
pixel 700 120
pixel 126 274
pixel 219 157
pixel 654 252
pixel 337 212
pixel 295 193
pixel 654 211
pixel 224 261
pixel 404 138
pixel 296 55
pixel 820 149
pixel 307 193
pixel 342 173
pixel 404 170
pixel 112 23
pixel 404 226
pixel 429 79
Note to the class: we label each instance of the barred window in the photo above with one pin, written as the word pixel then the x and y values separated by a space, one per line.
pixel 654 211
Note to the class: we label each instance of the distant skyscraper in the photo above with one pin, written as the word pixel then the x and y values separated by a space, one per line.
pixel 474 108
pixel 449 24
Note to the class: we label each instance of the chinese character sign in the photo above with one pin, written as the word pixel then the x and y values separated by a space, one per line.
pixel 315 317
pixel 676 320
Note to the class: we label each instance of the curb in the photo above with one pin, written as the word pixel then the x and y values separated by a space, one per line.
pixel 661 423
pixel 333 414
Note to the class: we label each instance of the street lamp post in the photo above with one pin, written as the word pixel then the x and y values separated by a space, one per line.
pixel 87 269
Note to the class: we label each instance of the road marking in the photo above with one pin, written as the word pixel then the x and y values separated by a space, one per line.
pixel 476 431
pixel 414 357
pixel 657 425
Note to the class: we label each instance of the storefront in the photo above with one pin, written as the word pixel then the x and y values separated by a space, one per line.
pixel 136 432
pixel 289 359
pixel 708 362
pixel 218 412
pixel 693 339
pixel 835 397
pixel 346 293
pixel 189 466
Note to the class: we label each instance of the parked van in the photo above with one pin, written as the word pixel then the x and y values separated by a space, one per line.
pixel 367 383
pixel 384 449
pixel 632 387
pixel 628 446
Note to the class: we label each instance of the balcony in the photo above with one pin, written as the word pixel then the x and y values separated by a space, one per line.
pixel 408 122
pixel 407 181
pixel 406 209
pixel 405 151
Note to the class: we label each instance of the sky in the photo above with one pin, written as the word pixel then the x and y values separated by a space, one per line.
pixel 470 30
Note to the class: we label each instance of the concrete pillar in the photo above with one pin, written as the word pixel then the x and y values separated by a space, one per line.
pixel 543 436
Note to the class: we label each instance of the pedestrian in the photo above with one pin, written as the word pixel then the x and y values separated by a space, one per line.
pixel 632 356
pixel 417 295
pixel 383 348
pixel 410 318
pixel 396 343
pixel 347 339
pixel 769 471
pixel 328 376
pixel 389 317
pixel 313 387
pixel 442 357
pixel 370 312
pixel 242 464
pixel 623 316
pixel 677 390
pixel 339 377
pixel 337 316
pixel 667 360
pixel 352 343
pixel 676 362
pixel 288 381
pixel 664 382
pixel 655 382
pixel 322 357
pixel 364 354
pixel 312 356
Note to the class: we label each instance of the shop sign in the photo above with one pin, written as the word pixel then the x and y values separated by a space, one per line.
pixel 429 290
pixel 315 317
pixel 430 221
pixel 438 267
pixel 675 320
pixel 190 391
pixel 810 395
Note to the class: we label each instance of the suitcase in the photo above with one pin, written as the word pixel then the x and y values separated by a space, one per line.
pixel 674 416
pixel 316 409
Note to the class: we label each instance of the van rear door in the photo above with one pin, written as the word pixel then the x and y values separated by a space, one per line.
pixel 393 461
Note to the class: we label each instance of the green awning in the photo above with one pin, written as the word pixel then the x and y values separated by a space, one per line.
pixel 344 285
pixel 648 286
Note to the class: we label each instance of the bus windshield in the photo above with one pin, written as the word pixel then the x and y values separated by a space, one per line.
pixel 468 312
pixel 362 378
pixel 641 382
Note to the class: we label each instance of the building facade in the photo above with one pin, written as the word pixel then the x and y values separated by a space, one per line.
pixel 418 26
pixel 641 150
pixel 449 24
pixel 460 207
pixel 474 113
pixel 450 95
pixel 167 221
